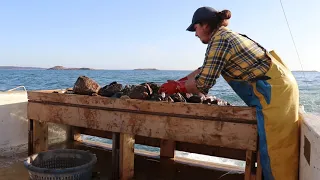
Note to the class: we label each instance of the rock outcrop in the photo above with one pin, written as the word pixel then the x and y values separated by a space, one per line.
pixel 85 86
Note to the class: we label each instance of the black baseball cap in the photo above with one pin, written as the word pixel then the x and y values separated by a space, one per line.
pixel 202 13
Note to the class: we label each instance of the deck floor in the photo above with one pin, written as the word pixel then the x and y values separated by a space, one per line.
pixel 146 167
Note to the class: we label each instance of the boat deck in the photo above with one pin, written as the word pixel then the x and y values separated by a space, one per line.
pixel 147 166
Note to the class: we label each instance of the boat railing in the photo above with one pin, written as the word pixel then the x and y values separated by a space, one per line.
pixel 24 88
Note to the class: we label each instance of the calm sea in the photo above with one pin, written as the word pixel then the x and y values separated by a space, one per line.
pixel 309 82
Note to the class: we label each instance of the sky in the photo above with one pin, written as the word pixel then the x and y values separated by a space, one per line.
pixel 127 34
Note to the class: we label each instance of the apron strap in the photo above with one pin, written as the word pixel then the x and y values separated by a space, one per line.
pixel 267 53
pixel 264 49
pixel 254 42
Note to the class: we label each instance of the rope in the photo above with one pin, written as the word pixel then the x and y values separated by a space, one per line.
pixel 294 42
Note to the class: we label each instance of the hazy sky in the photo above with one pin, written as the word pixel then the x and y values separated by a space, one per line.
pixel 143 33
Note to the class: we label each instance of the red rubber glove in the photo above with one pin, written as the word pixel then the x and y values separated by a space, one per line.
pixel 183 79
pixel 172 87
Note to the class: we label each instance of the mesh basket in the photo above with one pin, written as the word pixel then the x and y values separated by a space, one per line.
pixel 62 164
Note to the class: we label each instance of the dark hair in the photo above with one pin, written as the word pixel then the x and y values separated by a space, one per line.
pixel 220 20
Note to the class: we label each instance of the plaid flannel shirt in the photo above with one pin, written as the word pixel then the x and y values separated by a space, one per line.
pixel 231 54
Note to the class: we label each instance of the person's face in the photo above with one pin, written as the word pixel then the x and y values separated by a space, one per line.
pixel 202 32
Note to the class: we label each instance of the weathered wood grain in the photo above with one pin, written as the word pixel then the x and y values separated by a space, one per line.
pixel 40 136
pixel 181 146
pixel 259 168
pixel 247 114
pixel 249 166
pixel 167 148
pixel 212 133
pixel 126 156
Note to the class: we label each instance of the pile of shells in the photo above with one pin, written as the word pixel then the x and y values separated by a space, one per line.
pixel 145 91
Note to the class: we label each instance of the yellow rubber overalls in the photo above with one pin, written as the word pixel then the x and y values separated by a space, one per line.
pixel 277 102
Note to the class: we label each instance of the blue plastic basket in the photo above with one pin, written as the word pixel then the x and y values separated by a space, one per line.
pixel 62 164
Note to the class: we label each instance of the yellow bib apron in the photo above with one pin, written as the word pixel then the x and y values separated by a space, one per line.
pixel 277 102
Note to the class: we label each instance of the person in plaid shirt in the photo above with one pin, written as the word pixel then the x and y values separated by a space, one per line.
pixel 260 78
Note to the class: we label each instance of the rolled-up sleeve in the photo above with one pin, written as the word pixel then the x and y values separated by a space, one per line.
pixel 218 53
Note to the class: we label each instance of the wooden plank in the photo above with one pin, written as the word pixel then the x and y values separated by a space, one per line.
pixel 69 133
pixel 76 133
pixel 213 111
pixel 40 136
pixel 249 165
pixel 181 146
pixel 259 168
pixel 213 133
pixel 253 177
pixel 167 148
pixel 126 156
pixel 115 156
pixel 30 137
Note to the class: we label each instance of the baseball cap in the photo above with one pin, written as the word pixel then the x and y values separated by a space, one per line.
pixel 202 13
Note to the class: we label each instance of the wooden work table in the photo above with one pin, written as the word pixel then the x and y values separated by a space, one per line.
pixel 223 131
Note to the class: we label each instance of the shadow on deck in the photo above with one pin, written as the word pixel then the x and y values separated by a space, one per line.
pixel 148 166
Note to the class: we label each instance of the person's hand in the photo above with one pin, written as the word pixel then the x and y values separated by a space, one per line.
pixel 171 87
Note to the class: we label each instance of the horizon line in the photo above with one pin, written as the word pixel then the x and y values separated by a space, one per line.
pixel 138 69
pixel 92 69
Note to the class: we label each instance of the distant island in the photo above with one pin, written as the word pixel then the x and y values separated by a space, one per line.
pixel 37 68
pixel 152 69
pixel 63 68
pixel 19 68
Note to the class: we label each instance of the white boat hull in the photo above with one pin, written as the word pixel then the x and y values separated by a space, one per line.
pixel 310 148
pixel 13 121
pixel 14 124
